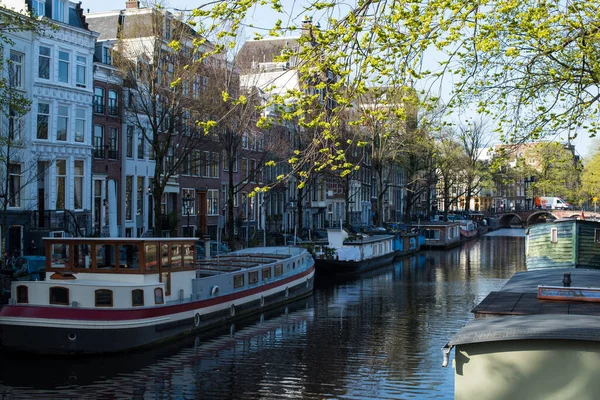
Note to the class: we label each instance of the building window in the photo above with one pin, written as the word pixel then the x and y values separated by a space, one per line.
pixel 22 294
pixel 245 169
pixel 212 202
pixel 39 8
pixel 137 298
pixel 129 142
pixel 98 141
pixel 245 141
pixel 113 103
pixel 253 170
pixel 80 125
pixel 62 123
pixel 104 298
pixel 113 140
pixel 15 126
pixel 43 118
pixel 59 295
pixel 44 62
pixel 206 164
pixel 81 71
pixel 215 165
pixel 78 184
pixel 14 185
pixel 61 187
pixel 58 10
pixel 140 145
pixel 15 70
pixel 189 205
pixel 128 194
pixel 63 66
pixel 238 281
pixel 140 196
pixel 158 296
pixel 98 100
pixel 107 55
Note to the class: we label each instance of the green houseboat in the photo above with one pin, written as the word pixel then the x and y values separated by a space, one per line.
pixel 564 243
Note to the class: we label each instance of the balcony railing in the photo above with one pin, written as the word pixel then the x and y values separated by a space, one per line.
pixel 113 154
pixel 99 153
pixel 98 108
pixel 113 111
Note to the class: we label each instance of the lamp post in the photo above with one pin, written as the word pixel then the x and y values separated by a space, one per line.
pixel 187 202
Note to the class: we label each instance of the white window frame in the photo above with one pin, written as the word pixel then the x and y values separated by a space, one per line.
pixel 16 69
pixel 80 125
pixel 14 200
pixel 62 61
pixel 554 235
pixel 212 202
pixel 81 64
pixel 81 178
pixel 60 116
pixel 64 179
pixel 38 7
pixel 48 57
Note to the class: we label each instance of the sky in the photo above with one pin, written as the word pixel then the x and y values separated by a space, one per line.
pixel 265 17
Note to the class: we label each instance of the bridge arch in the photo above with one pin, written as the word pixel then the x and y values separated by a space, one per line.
pixel 539 217
pixel 505 219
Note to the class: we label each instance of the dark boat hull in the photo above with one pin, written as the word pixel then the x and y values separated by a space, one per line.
pixel 111 338
pixel 348 268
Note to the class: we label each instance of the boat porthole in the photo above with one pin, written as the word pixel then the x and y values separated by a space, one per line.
pixel 72 337
pixel 214 291
pixel 197 320
pixel 232 310
pixel 287 292
pixel 262 301
pixel 294 265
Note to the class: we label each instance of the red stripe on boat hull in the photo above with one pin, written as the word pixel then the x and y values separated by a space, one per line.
pixel 48 312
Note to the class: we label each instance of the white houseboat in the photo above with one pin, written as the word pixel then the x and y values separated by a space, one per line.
pixel 349 257
pixel 103 295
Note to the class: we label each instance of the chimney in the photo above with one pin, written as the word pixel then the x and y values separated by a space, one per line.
pixel 132 4
pixel 307 26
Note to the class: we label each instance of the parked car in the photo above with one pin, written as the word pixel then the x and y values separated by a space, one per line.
pixel 216 249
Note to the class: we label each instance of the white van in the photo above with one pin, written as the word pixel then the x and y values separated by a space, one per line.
pixel 554 203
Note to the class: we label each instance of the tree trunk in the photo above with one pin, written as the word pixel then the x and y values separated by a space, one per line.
pixel 230 203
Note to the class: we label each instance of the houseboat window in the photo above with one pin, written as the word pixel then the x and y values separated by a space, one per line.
pixel 158 296
pixel 22 294
pixel 165 277
pixel 60 255
pixel 597 235
pixel 294 265
pixel 59 295
pixel 554 235
pixel 238 280
pixel 188 256
pixel 252 277
pixel 104 298
pixel 105 256
pixel 266 273
pixel 432 234
pixel 278 269
pixel 176 256
pixel 137 297
pixel 129 256
pixel 151 257
pixel 164 256
pixel 82 256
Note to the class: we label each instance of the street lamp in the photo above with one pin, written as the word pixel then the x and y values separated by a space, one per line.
pixel 187 201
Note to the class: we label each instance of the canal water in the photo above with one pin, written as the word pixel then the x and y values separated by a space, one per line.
pixel 375 337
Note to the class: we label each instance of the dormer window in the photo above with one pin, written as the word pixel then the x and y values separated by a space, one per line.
pixel 59 8
pixel 39 7
pixel 107 55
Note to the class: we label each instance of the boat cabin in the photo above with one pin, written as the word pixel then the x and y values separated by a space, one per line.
pixel 441 234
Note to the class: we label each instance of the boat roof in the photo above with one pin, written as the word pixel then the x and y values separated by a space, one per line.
pixel 121 239
pixel 529 327
pixel 515 313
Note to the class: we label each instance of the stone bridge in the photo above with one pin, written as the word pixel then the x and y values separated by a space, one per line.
pixel 532 217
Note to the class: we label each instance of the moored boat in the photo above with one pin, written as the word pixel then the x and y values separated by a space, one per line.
pixel 441 234
pixel 538 337
pixel 344 256
pixel 563 243
pixel 468 229
pixel 103 295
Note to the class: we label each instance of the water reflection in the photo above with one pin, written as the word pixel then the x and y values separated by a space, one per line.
pixel 377 336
